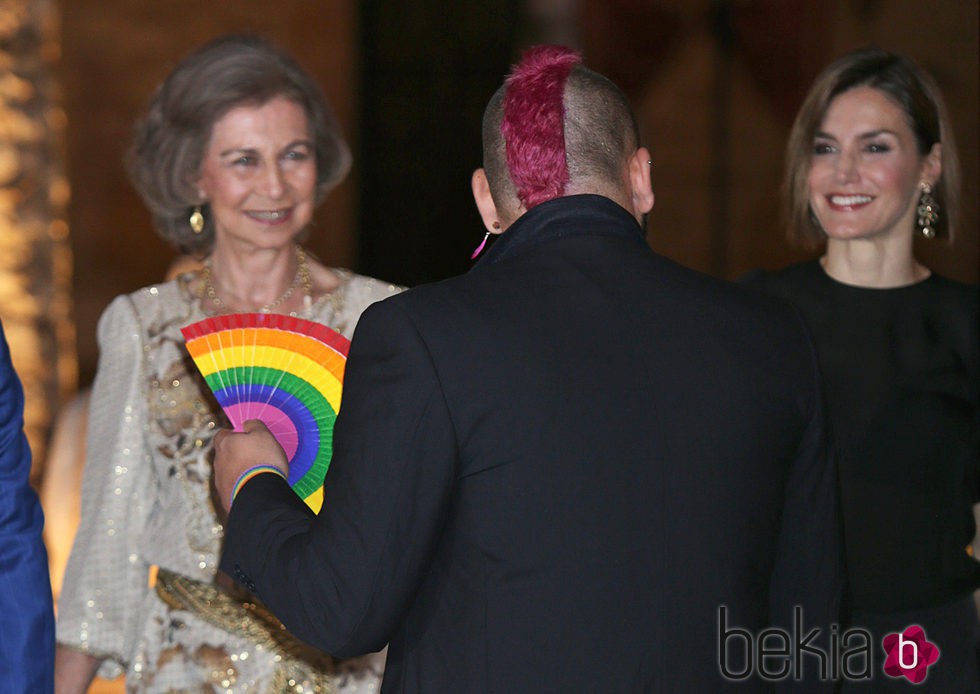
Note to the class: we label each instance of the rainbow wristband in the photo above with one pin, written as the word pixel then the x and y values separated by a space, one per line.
pixel 249 474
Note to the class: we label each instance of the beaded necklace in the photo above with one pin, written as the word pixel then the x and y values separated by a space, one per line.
pixel 302 279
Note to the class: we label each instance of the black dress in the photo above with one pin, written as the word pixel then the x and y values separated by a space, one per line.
pixel 900 370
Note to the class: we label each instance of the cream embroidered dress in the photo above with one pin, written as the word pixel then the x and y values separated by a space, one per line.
pixel 146 502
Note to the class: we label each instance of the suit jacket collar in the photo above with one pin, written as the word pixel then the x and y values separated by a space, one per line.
pixel 565 217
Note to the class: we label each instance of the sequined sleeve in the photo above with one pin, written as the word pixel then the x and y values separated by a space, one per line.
pixel 106 576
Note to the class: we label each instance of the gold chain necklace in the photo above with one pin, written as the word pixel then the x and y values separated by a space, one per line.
pixel 302 278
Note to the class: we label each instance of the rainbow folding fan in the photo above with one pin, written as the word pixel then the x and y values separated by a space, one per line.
pixel 282 370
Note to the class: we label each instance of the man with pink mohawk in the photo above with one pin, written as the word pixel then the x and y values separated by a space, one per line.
pixel 579 467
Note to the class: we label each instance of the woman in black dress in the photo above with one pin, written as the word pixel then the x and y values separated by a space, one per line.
pixel 870 164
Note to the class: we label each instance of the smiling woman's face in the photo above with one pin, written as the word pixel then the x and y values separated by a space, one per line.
pixel 259 174
pixel 865 168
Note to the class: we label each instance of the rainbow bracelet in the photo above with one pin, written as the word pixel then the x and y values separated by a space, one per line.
pixel 249 474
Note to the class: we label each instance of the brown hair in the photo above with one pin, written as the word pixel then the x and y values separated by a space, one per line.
pixel 169 141
pixel 915 92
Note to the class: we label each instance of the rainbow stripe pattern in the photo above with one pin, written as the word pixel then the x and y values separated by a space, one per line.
pixel 285 371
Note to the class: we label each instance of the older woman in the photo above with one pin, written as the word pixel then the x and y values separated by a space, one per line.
pixel 871 164
pixel 237 149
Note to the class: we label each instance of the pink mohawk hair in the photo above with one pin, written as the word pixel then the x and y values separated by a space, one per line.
pixel 533 125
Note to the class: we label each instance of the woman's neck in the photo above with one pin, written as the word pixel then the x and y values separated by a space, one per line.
pixel 872 263
pixel 260 280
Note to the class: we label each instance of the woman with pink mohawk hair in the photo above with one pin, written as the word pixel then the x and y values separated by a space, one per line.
pixel 557 472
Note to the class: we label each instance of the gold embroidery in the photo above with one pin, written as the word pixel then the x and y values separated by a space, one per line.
pixel 301 668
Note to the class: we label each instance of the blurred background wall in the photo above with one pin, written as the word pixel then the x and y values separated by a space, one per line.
pixel 35 256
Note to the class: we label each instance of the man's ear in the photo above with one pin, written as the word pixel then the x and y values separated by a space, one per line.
pixel 641 190
pixel 484 202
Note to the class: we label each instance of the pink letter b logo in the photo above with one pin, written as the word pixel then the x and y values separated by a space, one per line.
pixel 909 654
pixel 902 644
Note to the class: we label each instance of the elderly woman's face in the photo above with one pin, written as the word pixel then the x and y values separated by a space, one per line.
pixel 259 174
pixel 865 168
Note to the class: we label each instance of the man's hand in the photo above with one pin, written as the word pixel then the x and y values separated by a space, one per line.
pixel 234 453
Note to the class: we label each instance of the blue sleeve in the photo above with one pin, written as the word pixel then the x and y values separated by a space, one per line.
pixel 26 612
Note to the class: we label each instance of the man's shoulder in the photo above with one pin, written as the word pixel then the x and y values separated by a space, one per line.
pixel 742 297
pixel 662 275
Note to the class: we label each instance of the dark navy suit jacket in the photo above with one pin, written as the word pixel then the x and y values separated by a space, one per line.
pixel 551 473
pixel 26 614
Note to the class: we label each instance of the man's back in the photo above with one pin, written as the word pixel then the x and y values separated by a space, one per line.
pixel 578 468
pixel 616 437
